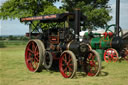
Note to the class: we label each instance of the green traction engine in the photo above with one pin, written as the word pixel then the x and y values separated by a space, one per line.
pixel 111 44
pixel 107 44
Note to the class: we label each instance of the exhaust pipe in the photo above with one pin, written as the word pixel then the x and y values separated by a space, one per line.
pixel 117 17
pixel 77 23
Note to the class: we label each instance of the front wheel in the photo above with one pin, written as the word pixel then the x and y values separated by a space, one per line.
pixel 68 64
pixel 93 64
pixel 34 54
pixel 111 55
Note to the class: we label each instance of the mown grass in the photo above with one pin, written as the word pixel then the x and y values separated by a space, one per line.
pixel 13 71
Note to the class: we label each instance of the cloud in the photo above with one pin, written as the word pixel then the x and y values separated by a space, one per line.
pixel 2 1
pixel 123 13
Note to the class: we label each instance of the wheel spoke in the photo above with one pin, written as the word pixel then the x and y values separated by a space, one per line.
pixel 30 50
pixel 29 60
pixel 35 49
pixel 31 66
pixel 90 54
pixel 70 64
pixel 108 53
pixel 29 57
pixel 70 69
pixel 69 61
pixel 64 58
pixel 92 63
pixel 37 54
pixel 93 57
pixel 36 59
pixel 65 70
pixel 33 46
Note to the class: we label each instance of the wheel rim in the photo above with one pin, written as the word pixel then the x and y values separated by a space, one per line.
pixel 111 55
pixel 93 64
pixel 66 65
pixel 32 56
pixel 48 59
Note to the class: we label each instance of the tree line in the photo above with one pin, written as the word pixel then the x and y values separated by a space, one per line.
pixel 11 37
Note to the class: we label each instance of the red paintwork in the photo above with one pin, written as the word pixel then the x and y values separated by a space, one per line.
pixel 32 56
pixel 92 64
pixel 66 65
pixel 110 55
pixel 110 34
pixel 105 34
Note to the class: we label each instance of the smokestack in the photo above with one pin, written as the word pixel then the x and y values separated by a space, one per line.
pixel 117 17
pixel 77 23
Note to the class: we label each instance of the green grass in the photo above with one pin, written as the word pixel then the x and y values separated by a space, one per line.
pixel 13 71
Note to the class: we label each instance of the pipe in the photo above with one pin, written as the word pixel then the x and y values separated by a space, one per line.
pixel 77 23
pixel 117 17
pixel 30 31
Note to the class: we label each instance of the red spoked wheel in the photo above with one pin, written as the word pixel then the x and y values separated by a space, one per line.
pixel 34 55
pixel 68 64
pixel 93 64
pixel 111 55
pixel 126 54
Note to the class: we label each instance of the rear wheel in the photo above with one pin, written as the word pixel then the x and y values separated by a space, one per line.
pixel 111 55
pixel 125 54
pixel 34 54
pixel 93 64
pixel 48 60
pixel 68 64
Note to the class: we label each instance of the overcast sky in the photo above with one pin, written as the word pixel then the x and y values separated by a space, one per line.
pixel 14 27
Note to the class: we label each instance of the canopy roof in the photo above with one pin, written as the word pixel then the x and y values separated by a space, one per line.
pixel 51 18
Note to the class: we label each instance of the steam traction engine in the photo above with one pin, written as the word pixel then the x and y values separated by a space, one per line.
pixel 113 41
pixel 108 45
pixel 59 45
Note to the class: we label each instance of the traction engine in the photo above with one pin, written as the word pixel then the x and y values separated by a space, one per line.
pixel 110 45
pixel 59 46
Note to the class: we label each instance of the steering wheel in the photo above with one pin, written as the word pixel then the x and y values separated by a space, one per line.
pixel 113 25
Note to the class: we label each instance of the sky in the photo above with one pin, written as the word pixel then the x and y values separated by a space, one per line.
pixel 14 27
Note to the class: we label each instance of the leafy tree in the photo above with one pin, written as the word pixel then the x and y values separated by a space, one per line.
pixel 22 8
pixel 97 11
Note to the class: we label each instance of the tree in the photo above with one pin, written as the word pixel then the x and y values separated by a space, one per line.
pixel 97 11
pixel 22 8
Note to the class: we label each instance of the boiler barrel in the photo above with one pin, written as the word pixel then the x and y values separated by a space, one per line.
pixel 100 43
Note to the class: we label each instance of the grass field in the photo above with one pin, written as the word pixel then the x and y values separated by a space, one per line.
pixel 13 71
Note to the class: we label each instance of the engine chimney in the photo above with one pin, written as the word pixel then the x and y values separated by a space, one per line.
pixel 77 23
pixel 117 17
